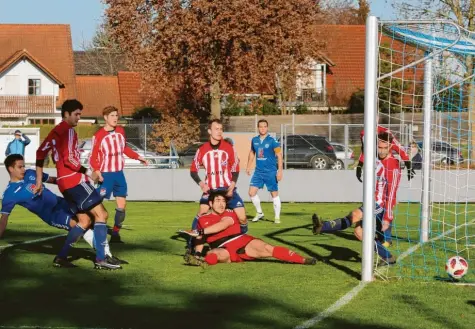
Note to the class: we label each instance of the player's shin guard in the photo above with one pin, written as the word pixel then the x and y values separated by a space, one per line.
pixel 336 225
pixel 119 218
pixel 89 238
pixel 388 234
pixel 244 228
pixel 73 236
pixel 191 240
pixel 211 259
pixel 277 206
pixel 100 237
pixel 287 255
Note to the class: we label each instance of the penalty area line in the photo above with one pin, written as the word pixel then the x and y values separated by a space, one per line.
pixel 333 308
pixel 47 327
pixel 30 242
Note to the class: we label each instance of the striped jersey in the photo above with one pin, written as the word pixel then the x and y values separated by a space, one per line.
pixel 393 177
pixel 108 149
pixel 381 184
pixel 219 162
pixel 62 142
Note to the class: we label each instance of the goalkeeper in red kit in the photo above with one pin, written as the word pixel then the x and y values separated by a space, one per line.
pixel 222 231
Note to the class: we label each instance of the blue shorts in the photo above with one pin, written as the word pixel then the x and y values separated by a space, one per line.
pixel 114 182
pixel 82 197
pixel 61 215
pixel 379 214
pixel 269 179
pixel 233 203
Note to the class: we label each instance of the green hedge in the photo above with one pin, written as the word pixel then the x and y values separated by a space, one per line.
pixel 83 131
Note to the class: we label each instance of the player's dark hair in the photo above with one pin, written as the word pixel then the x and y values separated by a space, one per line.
pixel 11 160
pixel 263 120
pixel 213 195
pixel 385 136
pixel 210 123
pixel 70 105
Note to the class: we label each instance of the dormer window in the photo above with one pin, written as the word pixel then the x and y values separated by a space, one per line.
pixel 34 87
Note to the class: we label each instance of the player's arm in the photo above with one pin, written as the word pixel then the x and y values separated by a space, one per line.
pixel 3 224
pixel 194 168
pixel 131 153
pixel 280 160
pixel 359 167
pixel 41 154
pixel 220 226
pixel 250 158
pixel 95 156
pixel 234 170
pixel 396 146
pixel 7 207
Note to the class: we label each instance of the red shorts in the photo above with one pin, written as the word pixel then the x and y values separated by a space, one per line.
pixel 236 248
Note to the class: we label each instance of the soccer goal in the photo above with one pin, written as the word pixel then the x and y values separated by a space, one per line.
pixel 421 74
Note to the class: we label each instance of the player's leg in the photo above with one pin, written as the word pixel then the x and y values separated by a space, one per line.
pixel 273 188
pixel 338 224
pixel 204 208
pixel 120 193
pixel 257 248
pixel 76 231
pixel 386 258
pixel 236 204
pixel 257 183
pixel 217 255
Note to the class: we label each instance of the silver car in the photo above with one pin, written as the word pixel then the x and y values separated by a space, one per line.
pixel 86 145
pixel 340 155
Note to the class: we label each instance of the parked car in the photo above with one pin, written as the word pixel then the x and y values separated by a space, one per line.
pixel 444 153
pixel 86 145
pixel 340 155
pixel 309 150
pixel 188 154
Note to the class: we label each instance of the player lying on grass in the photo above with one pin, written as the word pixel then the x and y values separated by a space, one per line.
pixel 356 216
pixel 52 209
pixel 222 231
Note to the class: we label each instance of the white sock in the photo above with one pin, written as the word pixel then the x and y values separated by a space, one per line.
pixel 89 238
pixel 277 206
pixel 257 203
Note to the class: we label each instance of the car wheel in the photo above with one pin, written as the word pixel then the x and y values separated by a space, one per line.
pixel 338 165
pixel 319 162
pixel 444 161
pixel 175 165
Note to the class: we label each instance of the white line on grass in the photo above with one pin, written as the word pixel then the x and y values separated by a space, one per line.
pixel 31 241
pixel 43 327
pixel 333 308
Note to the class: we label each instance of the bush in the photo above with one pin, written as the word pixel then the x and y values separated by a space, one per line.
pixel 233 107
pixel 147 113
pixel 301 109
pixel 356 102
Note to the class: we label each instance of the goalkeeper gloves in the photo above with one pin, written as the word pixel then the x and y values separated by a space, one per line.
pixel 359 171
pixel 410 172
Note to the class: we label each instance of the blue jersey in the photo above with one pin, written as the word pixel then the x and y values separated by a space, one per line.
pixel 21 193
pixel 265 151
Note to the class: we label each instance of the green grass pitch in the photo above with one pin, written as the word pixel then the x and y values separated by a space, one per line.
pixel 157 291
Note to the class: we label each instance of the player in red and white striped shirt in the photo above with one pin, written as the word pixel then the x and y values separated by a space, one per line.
pixel 107 160
pixel 221 165
pixel 62 141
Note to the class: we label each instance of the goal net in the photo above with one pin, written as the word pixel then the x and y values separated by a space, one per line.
pixel 425 81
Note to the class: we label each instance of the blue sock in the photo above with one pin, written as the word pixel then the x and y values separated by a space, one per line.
pixel 382 252
pixel 336 225
pixel 244 228
pixel 74 234
pixel 118 220
pixel 100 236
pixel 194 225
pixel 387 234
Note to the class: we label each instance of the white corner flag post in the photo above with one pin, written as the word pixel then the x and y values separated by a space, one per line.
pixel 370 105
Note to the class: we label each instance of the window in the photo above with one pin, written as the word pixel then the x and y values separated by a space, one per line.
pixel 310 95
pixel 41 121
pixel 34 87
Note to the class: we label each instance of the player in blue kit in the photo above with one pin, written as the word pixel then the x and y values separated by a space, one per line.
pixel 52 209
pixel 269 169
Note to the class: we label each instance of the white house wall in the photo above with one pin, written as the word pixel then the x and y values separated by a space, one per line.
pixel 25 70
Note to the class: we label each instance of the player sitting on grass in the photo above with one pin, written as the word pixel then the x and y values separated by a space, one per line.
pixel 356 216
pixel 222 231
pixel 52 209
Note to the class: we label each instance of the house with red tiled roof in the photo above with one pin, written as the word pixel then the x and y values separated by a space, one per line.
pixel 37 74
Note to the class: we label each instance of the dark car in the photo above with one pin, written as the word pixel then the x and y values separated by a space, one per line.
pixel 444 153
pixel 309 150
pixel 187 155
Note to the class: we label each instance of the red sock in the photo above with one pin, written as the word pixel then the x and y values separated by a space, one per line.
pixel 287 255
pixel 116 229
pixel 211 259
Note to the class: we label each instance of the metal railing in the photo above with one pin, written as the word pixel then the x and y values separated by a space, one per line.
pixel 27 104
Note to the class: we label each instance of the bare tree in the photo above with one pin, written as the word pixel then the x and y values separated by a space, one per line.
pixel 345 12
